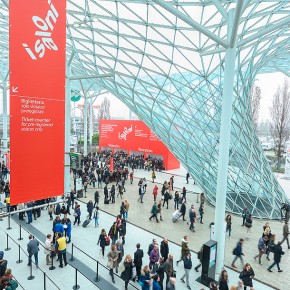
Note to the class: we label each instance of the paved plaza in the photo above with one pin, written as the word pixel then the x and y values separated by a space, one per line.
pixel 139 229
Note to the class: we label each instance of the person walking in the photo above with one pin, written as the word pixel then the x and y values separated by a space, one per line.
pixel 249 223
pixel 60 246
pixel 229 224
pixel 261 248
pixel 223 281
pixel 48 249
pixel 154 258
pixel 113 232
pixel 155 284
pixel 187 267
pixel 141 193
pixel 126 274
pixel 155 192
pixel 90 208
pixel 154 212
pixel 238 252
pixel 127 205
pixel 247 276
pixel 285 234
pixel 166 198
pixel 192 218
pixel 278 252
pixel 96 216
pixel 271 246
pixel 187 177
pixel 131 177
pixel 160 270
pixel 113 193
pixel 183 210
pixel 138 256
pixel 77 215
pixel 169 268
pixel 184 248
pixel 102 241
pixel 32 249
pixel 120 250
pixel 153 176
pixel 201 212
pixel 176 200
pixel 245 214
pixel 199 256
pixel 159 206
pixel 112 261
pixel 97 198
pixel 164 249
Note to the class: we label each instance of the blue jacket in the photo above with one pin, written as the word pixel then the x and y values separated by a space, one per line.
pixel 238 251
pixel 156 286
pixel 58 228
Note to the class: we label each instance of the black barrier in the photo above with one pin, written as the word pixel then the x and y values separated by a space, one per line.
pixel 51 267
pixel 20 237
pixel 44 281
pixel 97 279
pixel 72 253
pixel 9 227
pixel 7 246
pixel 31 277
pixel 76 286
pixel 19 260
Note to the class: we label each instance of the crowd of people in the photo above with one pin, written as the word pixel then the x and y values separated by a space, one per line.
pixel 7 280
pixel 158 271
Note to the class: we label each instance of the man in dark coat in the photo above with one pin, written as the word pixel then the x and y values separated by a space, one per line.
pixel 183 210
pixel 90 208
pixel 278 252
pixel 106 192
pixel 238 252
pixel 164 249
pixel 97 198
pixel 138 255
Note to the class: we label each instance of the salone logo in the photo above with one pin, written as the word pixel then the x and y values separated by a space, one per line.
pixel 44 31
pixel 125 133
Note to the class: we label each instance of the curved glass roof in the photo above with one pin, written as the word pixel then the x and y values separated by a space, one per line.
pixel 167 63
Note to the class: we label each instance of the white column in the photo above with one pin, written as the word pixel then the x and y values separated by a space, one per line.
pixel 85 124
pixel 224 146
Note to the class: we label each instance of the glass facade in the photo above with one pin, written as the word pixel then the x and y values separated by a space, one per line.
pixel 167 61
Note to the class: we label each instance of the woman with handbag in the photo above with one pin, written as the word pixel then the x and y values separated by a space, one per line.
pixel 102 241
pixel 112 261
pixel 126 274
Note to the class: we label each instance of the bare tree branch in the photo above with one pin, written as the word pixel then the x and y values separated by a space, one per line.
pixel 255 95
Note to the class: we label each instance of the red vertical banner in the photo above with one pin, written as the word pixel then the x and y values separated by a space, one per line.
pixel 111 164
pixel 37 40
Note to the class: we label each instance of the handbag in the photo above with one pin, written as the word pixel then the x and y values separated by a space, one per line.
pixel 140 283
pixel 108 241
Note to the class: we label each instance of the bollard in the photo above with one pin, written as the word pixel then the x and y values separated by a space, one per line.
pixel 97 279
pixel 9 227
pixel 76 286
pixel 72 253
pixel 19 261
pixel 20 237
pixel 7 248
pixel 30 277
pixel 51 267
pixel 44 281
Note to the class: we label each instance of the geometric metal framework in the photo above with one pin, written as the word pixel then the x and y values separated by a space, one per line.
pixel 168 59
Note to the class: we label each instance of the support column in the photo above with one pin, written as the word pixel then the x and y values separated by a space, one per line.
pixel 67 186
pixel 91 124
pixel 224 145
pixel 85 124
pixel 5 115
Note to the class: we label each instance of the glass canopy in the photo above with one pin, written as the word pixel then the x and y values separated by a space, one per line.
pixel 165 60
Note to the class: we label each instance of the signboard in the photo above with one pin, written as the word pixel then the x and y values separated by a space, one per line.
pixel 134 135
pixel 37 41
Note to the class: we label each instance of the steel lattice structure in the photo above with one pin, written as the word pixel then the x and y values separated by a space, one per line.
pixel 168 60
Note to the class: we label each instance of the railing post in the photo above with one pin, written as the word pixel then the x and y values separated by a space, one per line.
pixel 30 277
pixel 19 261
pixel 72 253
pixel 97 279
pixel 20 237
pixel 44 281
pixel 9 228
pixel 7 246
pixel 76 286
pixel 51 267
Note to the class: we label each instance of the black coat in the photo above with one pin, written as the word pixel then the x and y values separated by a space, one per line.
pixel 164 249
pixel 223 285
pixel 278 252
pixel 138 255
pixel 183 209
pixel 127 273
pixel 246 277
pixel 102 240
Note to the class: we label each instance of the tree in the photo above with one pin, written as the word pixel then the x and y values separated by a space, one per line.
pixel 280 118
pixel 255 95
pixel 104 112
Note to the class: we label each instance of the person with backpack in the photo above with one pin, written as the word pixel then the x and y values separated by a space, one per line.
pixel 238 252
